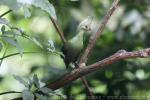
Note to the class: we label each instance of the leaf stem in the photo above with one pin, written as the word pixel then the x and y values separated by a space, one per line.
pixel 5 13
pixel 4 54
pixel 9 92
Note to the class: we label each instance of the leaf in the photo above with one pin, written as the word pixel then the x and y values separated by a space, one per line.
pixel 43 4
pixel 51 46
pixel 21 80
pixel 12 4
pixel 27 95
pixel 36 81
pixel 13 42
pixel 1 47
pixel 27 13
pixel 4 21
pixel 46 90
pixel 3 29
pixel 41 97
pixel 35 40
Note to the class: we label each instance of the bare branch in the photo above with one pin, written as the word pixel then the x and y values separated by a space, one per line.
pixel 9 92
pixel 82 71
pixel 93 39
pixel 5 13
pixel 95 36
pixel 58 30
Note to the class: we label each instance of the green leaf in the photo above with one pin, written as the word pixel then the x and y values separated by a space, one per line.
pixel 46 90
pixel 43 4
pixel 12 4
pixel 13 41
pixel 27 12
pixel 21 80
pixel 27 95
pixel 4 21
pixel 37 42
pixel 1 47
pixel 51 46
pixel 41 97
pixel 3 29
pixel 36 81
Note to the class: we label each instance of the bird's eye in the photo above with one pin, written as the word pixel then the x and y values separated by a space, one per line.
pixel 86 26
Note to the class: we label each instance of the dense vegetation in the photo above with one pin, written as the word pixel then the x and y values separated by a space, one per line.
pixel 28 31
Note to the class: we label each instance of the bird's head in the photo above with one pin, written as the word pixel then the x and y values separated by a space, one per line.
pixel 86 24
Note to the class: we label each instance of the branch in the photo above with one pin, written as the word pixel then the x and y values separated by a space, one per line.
pixel 93 39
pixel 58 30
pixel 82 71
pixel 9 92
pixel 5 13
pixel 95 36
pixel 13 54
pixel 64 41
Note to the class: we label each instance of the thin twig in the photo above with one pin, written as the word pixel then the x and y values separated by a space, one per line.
pixel 9 92
pixel 82 71
pixel 61 34
pixel 4 54
pixel 95 36
pixel 13 54
pixel 5 13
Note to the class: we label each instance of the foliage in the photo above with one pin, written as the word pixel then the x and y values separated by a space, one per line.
pixel 35 89
pixel 128 29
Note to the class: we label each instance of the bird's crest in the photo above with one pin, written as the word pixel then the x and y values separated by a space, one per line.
pixel 86 24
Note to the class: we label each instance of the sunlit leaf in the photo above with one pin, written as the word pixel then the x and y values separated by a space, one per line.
pixel 35 40
pixel 14 42
pixel 27 95
pixel 51 46
pixel 27 13
pixel 12 4
pixel 43 4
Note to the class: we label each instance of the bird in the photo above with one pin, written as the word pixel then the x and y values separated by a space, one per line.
pixel 72 48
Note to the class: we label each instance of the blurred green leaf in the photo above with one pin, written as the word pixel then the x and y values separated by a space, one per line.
pixel 27 12
pixel 27 95
pixel 43 4
pixel 46 90
pixel 51 46
pixel 37 42
pixel 12 4
pixel 108 74
pixel 21 80
pixel 41 97
pixel 1 46
pixel 4 21
pixel 13 42
pixel 3 28
pixel 36 81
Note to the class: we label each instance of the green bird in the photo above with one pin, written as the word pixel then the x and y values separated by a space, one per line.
pixel 73 47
